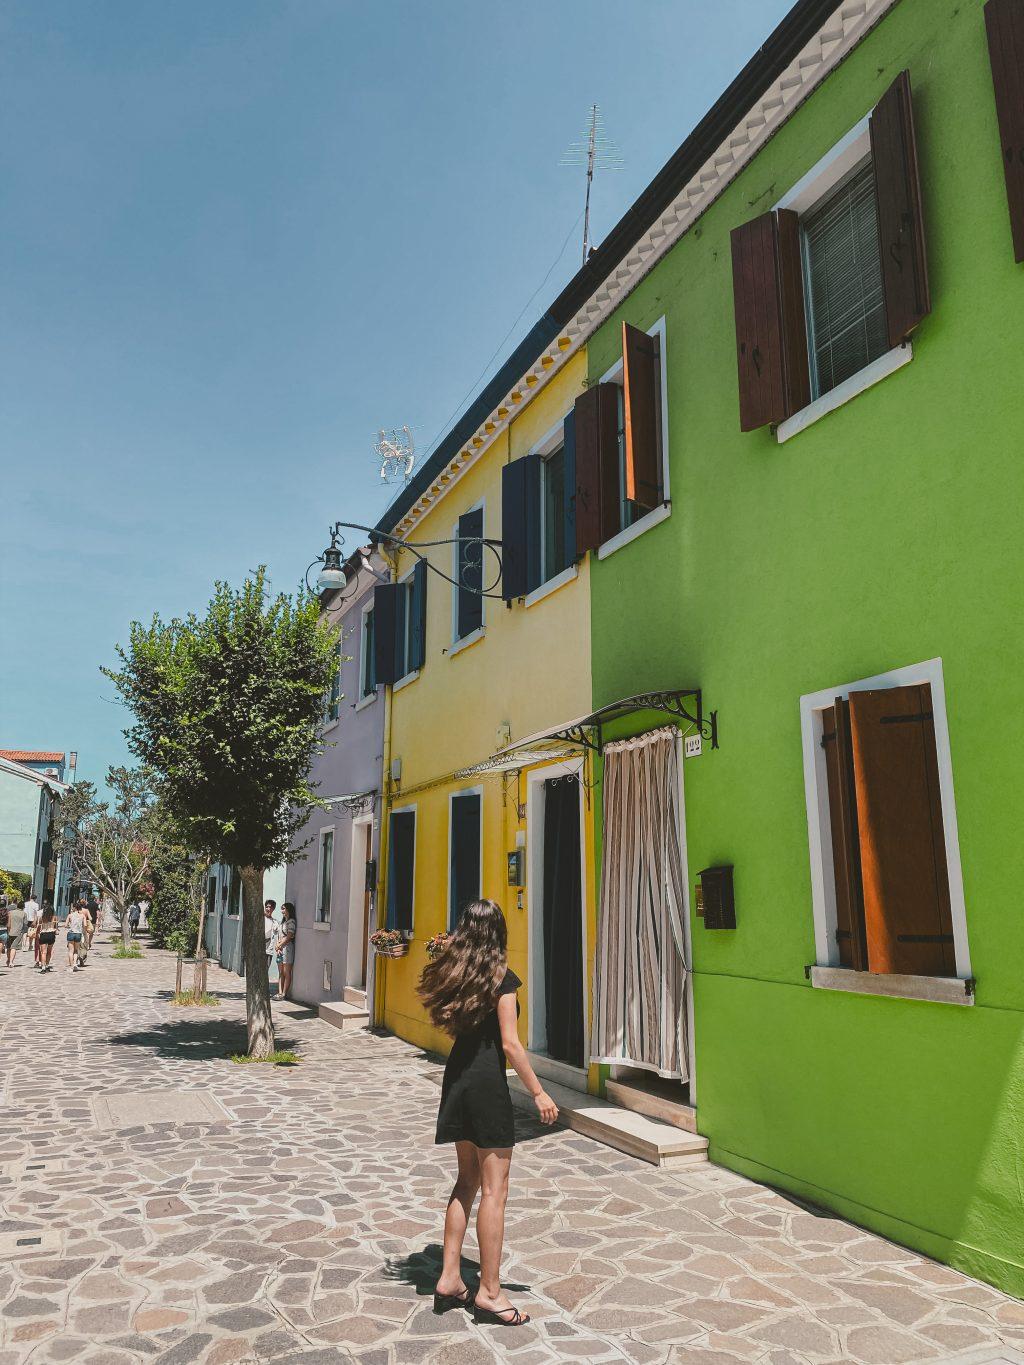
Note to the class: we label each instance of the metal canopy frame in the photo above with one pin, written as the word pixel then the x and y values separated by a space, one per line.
pixel 587 732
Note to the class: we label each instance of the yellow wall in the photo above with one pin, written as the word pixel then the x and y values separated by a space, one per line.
pixel 530 670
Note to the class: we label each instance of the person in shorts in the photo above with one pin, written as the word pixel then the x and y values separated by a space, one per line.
pixel 4 922
pixel 76 930
pixel 16 922
pixel 46 936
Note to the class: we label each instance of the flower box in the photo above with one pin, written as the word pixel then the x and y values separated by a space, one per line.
pixel 395 950
pixel 389 943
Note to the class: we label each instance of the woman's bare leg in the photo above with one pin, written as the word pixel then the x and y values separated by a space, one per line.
pixel 456 1219
pixel 490 1225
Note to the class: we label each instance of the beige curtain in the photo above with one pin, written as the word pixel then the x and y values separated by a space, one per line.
pixel 641 967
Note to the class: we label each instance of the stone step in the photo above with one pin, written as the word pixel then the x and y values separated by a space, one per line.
pixel 656 1106
pixel 662 1144
pixel 341 1014
pixel 352 995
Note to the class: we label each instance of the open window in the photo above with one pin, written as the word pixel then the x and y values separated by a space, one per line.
pixel 399 627
pixel 885 860
pixel 324 878
pixel 464 851
pixel 401 868
pixel 829 285
pixel 1004 24
pixel 621 449
pixel 332 706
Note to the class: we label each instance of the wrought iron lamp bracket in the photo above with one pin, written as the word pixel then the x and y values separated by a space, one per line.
pixel 389 544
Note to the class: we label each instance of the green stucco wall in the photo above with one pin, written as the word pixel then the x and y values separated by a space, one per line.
pixel 886 534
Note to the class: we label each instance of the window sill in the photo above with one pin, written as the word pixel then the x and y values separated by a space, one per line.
pixel 945 990
pixel 842 393
pixel 364 702
pixel 568 575
pixel 404 682
pixel 653 518
pixel 457 646
pixel 322 924
pixel 329 725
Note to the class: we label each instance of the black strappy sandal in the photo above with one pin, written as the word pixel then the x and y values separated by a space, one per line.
pixel 444 1303
pixel 497 1316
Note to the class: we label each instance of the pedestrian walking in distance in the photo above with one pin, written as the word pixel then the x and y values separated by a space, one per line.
pixel 470 992
pixel 5 914
pixel 46 935
pixel 285 950
pixel 16 922
pixel 134 915
pixel 75 929
pixel 31 924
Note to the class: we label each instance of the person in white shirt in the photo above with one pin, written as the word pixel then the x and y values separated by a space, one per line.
pixel 32 926
pixel 270 934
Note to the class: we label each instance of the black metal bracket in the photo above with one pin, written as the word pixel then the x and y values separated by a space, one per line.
pixel 390 543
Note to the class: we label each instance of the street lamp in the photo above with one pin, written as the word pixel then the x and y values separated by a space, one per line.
pixel 334 577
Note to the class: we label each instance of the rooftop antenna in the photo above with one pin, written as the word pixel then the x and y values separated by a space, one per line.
pixel 595 151
pixel 396 452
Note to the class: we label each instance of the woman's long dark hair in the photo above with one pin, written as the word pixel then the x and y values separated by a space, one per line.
pixel 460 987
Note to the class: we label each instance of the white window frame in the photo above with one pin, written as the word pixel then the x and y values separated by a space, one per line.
pixel 318 923
pixel 460 643
pixel 664 508
pixel 403 810
pixel 827 972
pixel 806 195
pixel 365 698
pixel 463 791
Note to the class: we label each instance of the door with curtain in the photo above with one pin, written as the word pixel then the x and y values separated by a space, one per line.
pixel 641 1004
pixel 563 921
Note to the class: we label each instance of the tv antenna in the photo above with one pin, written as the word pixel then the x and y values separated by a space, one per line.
pixel 397 454
pixel 596 151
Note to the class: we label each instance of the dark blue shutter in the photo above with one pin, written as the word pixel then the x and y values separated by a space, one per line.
pixel 513 531
pixel 569 440
pixel 531 481
pixel 418 616
pixel 385 609
pixel 464 877
pixel 401 869
pixel 470 610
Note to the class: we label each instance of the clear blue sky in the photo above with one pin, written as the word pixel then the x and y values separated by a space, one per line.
pixel 240 236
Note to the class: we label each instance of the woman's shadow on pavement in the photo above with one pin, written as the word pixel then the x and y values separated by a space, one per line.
pixel 422 1269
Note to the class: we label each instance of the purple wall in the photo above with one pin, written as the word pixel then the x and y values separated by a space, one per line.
pixel 350 764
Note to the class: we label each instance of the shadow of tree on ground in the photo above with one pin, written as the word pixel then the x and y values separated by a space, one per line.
pixel 196 1039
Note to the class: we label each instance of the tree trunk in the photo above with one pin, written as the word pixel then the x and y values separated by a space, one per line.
pixel 200 883
pixel 254 956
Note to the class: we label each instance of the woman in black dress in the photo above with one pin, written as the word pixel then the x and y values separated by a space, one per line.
pixel 470 992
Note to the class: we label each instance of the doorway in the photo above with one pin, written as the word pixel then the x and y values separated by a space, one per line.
pixel 557 921
pixel 360 903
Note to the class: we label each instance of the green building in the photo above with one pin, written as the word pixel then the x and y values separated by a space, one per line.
pixel 800 456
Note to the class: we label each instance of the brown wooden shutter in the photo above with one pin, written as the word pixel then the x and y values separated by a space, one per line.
pixel 771 330
pixel 1004 21
pixel 640 397
pixel 842 805
pixel 900 221
pixel 907 915
pixel 596 427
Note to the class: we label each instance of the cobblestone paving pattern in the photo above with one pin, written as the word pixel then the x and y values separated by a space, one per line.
pixel 303 1225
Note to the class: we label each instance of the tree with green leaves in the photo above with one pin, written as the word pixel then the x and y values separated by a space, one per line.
pixel 229 712
pixel 177 913
pixel 109 843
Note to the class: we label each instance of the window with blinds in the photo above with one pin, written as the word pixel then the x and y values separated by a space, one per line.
pixel 846 323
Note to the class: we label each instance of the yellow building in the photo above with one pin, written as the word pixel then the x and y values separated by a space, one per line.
pixel 468 814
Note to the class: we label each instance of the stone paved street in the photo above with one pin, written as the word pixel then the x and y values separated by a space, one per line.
pixel 191 1209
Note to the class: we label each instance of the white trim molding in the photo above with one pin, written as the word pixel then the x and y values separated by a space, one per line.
pixel 819 831
pixel 830 45
pixel 872 373
pixel 653 518
pixel 568 575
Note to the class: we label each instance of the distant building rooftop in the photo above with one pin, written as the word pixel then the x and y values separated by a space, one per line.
pixel 32 755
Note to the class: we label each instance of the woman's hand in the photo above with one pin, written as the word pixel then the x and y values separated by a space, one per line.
pixel 546 1107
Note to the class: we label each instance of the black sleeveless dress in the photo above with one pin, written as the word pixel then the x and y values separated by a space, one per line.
pixel 475 1103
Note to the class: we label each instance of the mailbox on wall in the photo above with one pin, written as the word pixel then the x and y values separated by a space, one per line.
pixel 715 899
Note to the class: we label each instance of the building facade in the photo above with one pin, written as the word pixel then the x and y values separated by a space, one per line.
pixel 837 568
pixel 471 813
pixel 30 824
pixel 333 886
